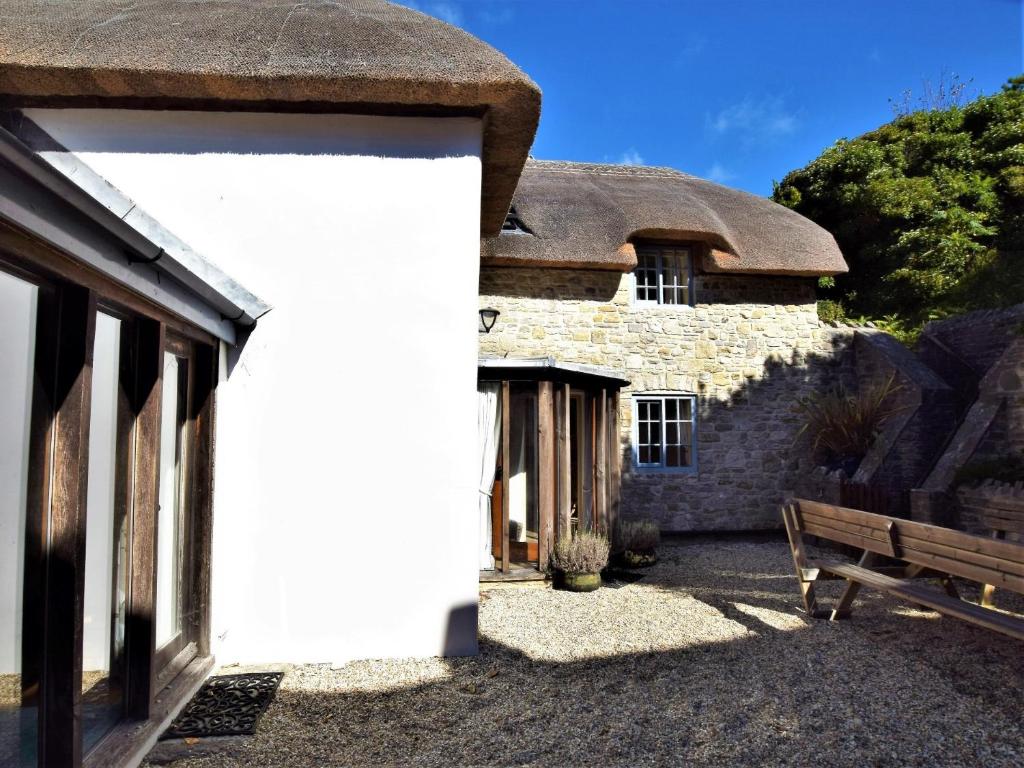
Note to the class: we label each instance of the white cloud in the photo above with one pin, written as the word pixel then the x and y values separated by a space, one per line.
pixel 719 173
pixel 446 12
pixel 630 157
pixel 755 121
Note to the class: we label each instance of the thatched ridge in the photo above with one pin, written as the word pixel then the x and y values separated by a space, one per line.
pixel 587 216
pixel 364 56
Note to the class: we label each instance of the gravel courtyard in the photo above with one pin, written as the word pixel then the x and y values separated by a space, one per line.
pixel 706 661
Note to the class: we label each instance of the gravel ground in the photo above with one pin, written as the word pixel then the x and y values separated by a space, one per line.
pixel 705 662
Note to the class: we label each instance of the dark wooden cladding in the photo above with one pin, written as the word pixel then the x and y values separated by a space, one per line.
pixel 204 414
pixel 60 723
pixel 141 630
pixel 506 418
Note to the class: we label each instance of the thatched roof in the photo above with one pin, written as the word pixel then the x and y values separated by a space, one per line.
pixel 365 56
pixel 582 215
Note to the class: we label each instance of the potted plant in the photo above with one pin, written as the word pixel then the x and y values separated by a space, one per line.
pixel 579 561
pixel 637 542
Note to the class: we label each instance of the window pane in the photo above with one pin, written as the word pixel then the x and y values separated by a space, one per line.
pixel 106 546
pixel 523 510
pixel 672 456
pixel 18 300
pixel 170 518
pixel 671 408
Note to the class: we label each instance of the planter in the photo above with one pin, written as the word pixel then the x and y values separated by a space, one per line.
pixel 639 559
pixel 578 582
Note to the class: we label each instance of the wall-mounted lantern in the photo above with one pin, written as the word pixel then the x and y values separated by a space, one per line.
pixel 487 318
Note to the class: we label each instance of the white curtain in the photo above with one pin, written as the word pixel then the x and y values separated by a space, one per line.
pixel 488 428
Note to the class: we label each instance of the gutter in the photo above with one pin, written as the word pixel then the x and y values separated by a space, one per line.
pixel 143 240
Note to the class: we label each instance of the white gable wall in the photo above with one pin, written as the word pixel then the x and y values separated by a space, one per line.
pixel 345 500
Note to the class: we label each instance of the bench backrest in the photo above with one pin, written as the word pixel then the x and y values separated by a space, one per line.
pixel 976 558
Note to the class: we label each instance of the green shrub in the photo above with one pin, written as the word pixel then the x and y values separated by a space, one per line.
pixel 637 535
pixel 584 553
pixel 842 425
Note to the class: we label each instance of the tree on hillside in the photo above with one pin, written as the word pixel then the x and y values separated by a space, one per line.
pixel 927 209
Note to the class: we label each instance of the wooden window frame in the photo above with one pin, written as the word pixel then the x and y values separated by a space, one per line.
pixel 70 295
pixel 662 399
pixel 683 258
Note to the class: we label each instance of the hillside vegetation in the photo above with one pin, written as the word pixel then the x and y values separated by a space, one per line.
pixel 927 209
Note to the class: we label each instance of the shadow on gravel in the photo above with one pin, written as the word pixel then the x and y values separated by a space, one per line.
pixel 891 687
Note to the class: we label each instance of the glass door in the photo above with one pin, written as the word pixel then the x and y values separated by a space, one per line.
pixel 19 688
pixel 107 535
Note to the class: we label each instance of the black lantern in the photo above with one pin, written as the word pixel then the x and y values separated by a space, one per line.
pixel 487 318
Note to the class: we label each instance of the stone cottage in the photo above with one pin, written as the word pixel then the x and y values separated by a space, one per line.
pixel 702 297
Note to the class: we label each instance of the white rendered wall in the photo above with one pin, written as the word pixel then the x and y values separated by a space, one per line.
pixel 346 503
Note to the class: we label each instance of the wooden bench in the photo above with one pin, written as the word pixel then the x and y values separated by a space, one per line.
pixel 899 553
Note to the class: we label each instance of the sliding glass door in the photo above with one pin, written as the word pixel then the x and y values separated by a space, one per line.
pixel 107 534
pixel 18 693
pixel 174 615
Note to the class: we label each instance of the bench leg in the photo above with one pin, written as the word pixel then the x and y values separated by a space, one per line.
pixel 989 590
pixel 796 546
pixel 844 606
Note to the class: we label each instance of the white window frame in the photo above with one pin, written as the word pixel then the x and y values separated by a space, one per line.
pixel 662 398
pixel 684 260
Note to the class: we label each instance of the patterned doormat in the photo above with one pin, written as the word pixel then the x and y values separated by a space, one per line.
pixel 227 705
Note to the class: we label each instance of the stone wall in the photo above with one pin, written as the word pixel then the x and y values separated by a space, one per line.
pixel 748 349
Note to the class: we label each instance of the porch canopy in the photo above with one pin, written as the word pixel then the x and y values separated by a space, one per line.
pixel 550 459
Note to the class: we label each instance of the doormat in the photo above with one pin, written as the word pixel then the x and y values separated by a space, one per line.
pixel 619 579
pixel 226 705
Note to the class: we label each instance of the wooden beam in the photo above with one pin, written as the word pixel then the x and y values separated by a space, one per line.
pixel 60 721
pixel 548 471
pixel 614 463
pixel 564 448
pixel 141 628
pixel 601 462
pixel 44 406
pixel 506 418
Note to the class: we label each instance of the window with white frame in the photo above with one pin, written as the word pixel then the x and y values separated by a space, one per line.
pixel 663 275
pixel 664 432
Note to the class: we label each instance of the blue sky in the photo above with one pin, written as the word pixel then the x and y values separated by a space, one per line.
pixel 734 90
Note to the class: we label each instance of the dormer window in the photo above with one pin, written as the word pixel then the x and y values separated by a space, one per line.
pixel 663 275
pixel 513 223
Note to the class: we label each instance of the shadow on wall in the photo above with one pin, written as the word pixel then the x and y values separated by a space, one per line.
pixel 750 454
pixel 746 692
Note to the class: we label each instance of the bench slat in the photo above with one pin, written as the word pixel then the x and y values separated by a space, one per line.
pixel 995 564
pixel 841 525
pixel 845 537
pixel 950 606
pixel 828 511
pixel 1004 550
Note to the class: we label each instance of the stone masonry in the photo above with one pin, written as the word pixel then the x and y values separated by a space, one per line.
pixel 749 348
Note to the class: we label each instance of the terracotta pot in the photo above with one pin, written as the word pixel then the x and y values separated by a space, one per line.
pixel 639 559
pixel 580 582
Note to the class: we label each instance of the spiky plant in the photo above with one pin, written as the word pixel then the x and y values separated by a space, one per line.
pixel 843 425
pixel 637 535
